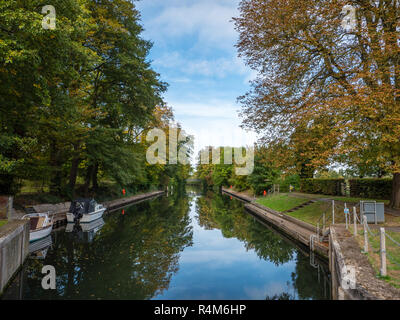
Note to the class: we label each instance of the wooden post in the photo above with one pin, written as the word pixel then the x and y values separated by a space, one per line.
pixel 365 234
pixel 333 211
pixel 355 220
pixel 383 253
pixel 10 207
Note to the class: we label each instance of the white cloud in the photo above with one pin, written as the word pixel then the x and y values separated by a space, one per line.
pixel 213 123
pixel 220 67
pixel 210 20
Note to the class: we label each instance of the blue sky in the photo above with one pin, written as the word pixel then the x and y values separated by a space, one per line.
pixel 194 52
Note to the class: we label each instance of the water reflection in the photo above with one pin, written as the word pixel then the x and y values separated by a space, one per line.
pixel 133 256
pixel 84 232
pixel 38 249
pixel 189 246
pixel 310 278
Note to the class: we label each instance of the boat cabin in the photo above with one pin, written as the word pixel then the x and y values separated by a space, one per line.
pixel 82 206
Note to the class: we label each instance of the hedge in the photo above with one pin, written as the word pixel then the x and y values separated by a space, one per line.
pixel 371 188
pixel 332 187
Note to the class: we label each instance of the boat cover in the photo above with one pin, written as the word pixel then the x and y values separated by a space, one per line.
pixel 82 206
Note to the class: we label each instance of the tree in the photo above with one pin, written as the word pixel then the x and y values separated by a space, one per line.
pixel 313 68
pixel 40 86
pixel 74 100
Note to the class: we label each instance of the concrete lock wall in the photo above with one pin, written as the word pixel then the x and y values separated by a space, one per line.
pixel 14 248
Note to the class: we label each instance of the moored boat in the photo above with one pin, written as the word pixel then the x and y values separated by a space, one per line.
pixel 85 211
pixel 41 225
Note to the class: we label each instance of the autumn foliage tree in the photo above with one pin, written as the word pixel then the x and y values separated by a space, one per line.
pixel 322 84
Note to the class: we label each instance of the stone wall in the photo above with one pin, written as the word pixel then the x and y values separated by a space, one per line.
pixel 14 248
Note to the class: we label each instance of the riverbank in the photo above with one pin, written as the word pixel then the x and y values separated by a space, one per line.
pixel 60 209
pixel 297 229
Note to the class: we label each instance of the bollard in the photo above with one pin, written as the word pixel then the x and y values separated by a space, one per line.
pixel 355 220
pixel 383 253
pixel 10 208
pixel 333 211
pixel 365 234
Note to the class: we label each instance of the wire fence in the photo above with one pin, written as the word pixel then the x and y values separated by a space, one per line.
pixel 381 243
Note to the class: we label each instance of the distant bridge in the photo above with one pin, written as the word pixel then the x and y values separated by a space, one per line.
pixel 194 181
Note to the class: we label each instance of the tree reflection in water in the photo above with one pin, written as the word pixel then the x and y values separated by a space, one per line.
pixel 132 257
pixel 215 211
pixel 136 254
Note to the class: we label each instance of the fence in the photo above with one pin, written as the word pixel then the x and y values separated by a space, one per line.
pixel 380 243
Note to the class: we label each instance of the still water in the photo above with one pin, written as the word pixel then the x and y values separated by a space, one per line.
pixel 192 246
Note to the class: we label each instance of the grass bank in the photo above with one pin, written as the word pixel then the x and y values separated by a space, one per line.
pixel 3 222
pixel 281 202
pixel 312 213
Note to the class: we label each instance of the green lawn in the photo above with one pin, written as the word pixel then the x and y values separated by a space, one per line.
pixel 312 212
pixel 281 202
pixel 3 222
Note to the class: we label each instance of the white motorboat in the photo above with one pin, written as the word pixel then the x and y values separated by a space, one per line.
pixel 85 211
pixel 41 225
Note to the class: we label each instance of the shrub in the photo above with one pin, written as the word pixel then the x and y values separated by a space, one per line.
pixel 293 180
pixel 332 187
pixel 371 188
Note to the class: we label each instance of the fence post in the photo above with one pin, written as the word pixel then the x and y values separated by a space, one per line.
pixel 365 234
pixel 10 207
pixel 333 211
pixel 355 220
pixel 383 253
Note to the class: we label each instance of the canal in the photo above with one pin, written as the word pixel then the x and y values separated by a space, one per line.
pixel 191 246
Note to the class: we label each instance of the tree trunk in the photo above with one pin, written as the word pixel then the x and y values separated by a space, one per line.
pixel 395 201
pixel 88 179
pixel 55 180
pixel 73 175
pixel 94 178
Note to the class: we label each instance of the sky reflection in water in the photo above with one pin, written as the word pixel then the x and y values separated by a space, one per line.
pixel 178 247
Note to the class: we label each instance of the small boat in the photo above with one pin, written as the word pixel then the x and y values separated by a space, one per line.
pixel 85 211
pixel 41 225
